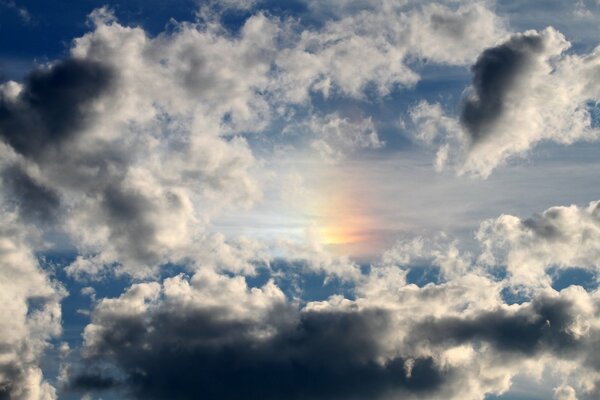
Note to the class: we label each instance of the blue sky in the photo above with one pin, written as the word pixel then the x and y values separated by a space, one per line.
pixel 305 200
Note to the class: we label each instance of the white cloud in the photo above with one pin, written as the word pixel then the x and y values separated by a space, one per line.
pixel 560 237
pixel 154 149
pixel 437 251
pixel 565 392
pixel 30 304
pixel 375 46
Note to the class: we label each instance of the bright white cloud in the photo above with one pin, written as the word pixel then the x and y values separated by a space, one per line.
pixel 560 237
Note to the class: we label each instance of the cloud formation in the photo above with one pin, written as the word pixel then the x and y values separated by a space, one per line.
pixel 30 303
pixel 524 91
pixel 560 237
pixel 130 146
pixel 214 335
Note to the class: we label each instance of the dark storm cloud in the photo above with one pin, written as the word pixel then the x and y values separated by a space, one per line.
pixel 34 201
pixel 53 105
pixel 495 73
pixel 322 355
pixel 542 326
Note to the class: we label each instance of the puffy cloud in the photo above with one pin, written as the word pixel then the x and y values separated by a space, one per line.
pixel 29 302
pixel 52 105
pixel 544 325
pixel 525 90
pixel 565 392
pixel 375 45
pixel 132 144
pixel 214 335
pixel 34 201
pixel 311 254
pixel 434 128
pixel 193 332
pixel 560 237
pixel 457 338
pixel 338 136
pixel 129 150
pixel 434 252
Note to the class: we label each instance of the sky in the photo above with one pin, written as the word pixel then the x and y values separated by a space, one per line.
pixel 259 199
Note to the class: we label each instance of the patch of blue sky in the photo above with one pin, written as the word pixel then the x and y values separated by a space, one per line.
pixel 299 283
pixel 577 20
pixel 424 275
pixel 563 278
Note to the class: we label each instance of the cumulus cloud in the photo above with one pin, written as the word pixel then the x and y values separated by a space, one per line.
pixel 30 304
pixel 131 152
pixel 133 143
pixel 136 142
pixel 51 105
pixel 456 339
pixel 433 252
pixel 374 46
pixel 310 353
pixel 560 237
pixel 525 90
pixel 311 254
pixel 34 201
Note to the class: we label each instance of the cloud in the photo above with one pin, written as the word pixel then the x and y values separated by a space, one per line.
pixel 311 254
pixel 335 137
pixel 31 304
pixel 373 47
pixel 525 90
pixel 495 74
pixel 192 340
pixel 560 237
pixel 214 335
pixel 544 325
pixel 131 144
pixel 565 392
pixel 34 201
pixel 52 105
pixel 131 152
pixel 437 251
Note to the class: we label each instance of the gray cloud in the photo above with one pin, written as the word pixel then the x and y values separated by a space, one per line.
pixel 34 201
pixel 213 337
pixel 322 356
pixel 52 105
pixel 495 74
pixel 539 327
pixel 524 91
pixel 244 343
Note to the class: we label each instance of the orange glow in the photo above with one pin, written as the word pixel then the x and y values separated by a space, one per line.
pixel 342 218
pixel 340 235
